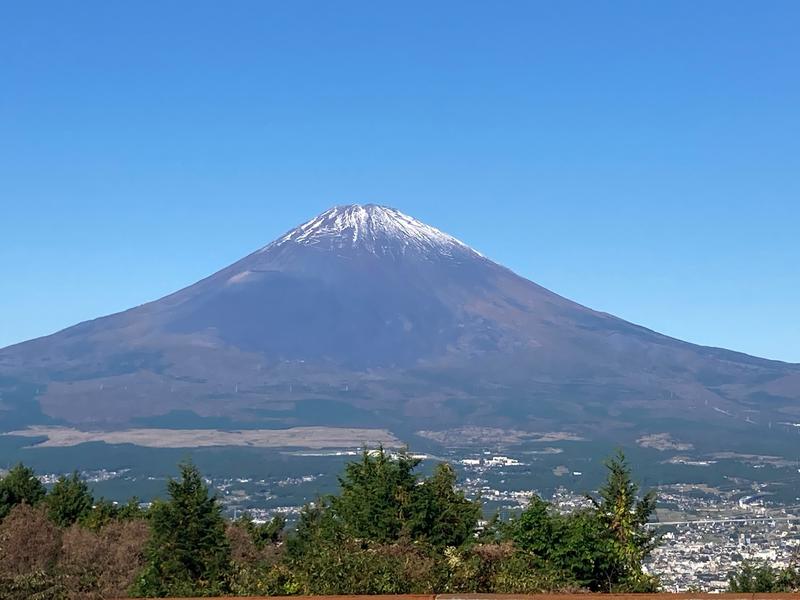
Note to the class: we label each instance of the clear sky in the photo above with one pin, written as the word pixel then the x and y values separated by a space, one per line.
pixel 642 158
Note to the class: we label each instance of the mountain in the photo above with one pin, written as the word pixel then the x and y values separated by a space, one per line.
pixel 364 315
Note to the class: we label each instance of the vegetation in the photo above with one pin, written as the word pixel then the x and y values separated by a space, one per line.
pixel 601 549
pixel 19 486
pixel 388 530
pixel 753 578
pixel 69 501
pixel 188 553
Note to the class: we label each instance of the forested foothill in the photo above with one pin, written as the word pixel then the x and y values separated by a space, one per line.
pixel 388 530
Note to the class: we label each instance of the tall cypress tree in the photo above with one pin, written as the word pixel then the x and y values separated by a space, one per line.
pixel 625 516
pixel 188 553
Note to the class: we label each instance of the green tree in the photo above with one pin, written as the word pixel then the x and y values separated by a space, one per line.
pixel 385 532
pixel 534 531
pixel 383 501
pixel 440 514
pixel 376 496
pixel 601 549
pixel 584 554
pixel 19 485
pixel 102 513
pixel 568 551
pixel 131 510
pixel 263 534
pixel 188 553
pixel 757 578
pixel 69 501
pixel 625 516
pixel 316 527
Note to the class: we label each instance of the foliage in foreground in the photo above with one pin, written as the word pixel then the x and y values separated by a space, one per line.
pixel 753 578
pixel 387 531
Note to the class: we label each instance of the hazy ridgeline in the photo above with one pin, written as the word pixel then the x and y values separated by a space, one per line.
pixel 387 530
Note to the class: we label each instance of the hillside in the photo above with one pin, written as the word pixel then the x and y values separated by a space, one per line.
pixel 364 316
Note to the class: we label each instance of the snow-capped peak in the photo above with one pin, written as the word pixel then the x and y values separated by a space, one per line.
pixel 378 229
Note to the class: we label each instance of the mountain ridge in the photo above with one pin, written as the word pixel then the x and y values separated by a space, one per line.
pixel 367 310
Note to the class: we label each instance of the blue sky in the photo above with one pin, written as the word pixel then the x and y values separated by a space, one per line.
pixel 642 158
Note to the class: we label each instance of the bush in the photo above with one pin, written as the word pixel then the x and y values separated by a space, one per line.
pixel 29 542
pixel 105 563
pixel 364 568
pixel 36 585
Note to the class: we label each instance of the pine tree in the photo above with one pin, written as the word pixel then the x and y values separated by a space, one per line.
pixel 69 501
pixel 625 517
pixel 440 514
pixel 19 485
pixel 188 552
pixel 376 496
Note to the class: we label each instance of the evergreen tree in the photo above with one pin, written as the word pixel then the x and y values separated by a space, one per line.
pixel 188 552
pixel 69 501
pixel 317 526
pixel 376 495
pixel 102 513
pixel 625 517
pixel 601 549
pixel 534 531
pixel 572 550
pixel 19 485
pixel 263 534
pixel 759 578
pixel 131 510
pixel 440 514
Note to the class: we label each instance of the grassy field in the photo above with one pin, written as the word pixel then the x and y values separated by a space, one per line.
pixel 298 437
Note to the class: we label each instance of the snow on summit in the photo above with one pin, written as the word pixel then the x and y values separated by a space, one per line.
pixel 377 229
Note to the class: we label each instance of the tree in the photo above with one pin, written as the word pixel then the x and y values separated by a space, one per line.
pixel 376 496
pixel 601 549
pixel 757 578
pixel 534 530
pixel 188 553
pixel 568 551
pixel 317 527
pixel 18 486
pixel 131 510
pixel 102 513
pixel 263 534
pixel 382 500
pixel 69 501
pixel 440 514
pixel 625 517
pixel 385 532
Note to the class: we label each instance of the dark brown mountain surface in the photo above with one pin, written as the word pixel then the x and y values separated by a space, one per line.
pixel 364 316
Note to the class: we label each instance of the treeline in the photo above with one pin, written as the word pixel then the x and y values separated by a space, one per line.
pixel 388 530
pixel 753 577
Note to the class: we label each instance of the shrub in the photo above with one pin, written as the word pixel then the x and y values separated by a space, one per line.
pixel 29 542
pixel 105 563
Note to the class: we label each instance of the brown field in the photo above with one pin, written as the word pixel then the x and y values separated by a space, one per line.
pixel 295 437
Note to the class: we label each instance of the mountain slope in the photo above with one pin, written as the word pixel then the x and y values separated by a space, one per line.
pixel 364 315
